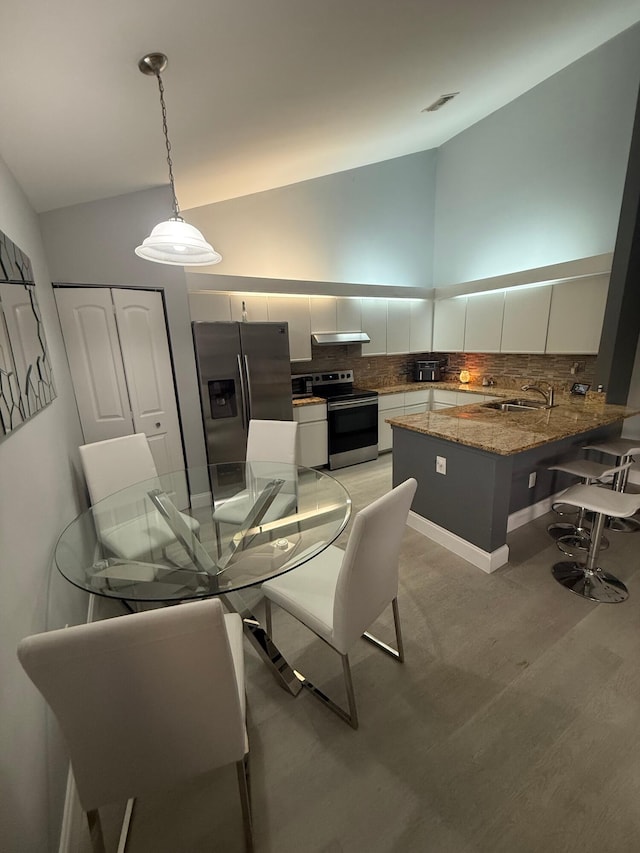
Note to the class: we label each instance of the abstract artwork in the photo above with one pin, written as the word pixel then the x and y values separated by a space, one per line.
pixel 26 382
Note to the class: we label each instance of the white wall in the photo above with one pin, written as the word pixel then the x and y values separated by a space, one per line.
pixel 372 225
pixel 94 243
pixel 39 494
pixel 540 181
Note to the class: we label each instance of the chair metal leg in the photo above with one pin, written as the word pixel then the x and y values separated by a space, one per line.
pixel 351 696
pixel 95 831
pixel 126 823
pixel 399 653
pixel 242 769
pixel 216 524
pixel 267 617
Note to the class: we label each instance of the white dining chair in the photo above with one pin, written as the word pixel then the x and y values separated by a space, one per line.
pixel 339 594
pixel 146 702
pixel 137 530
pixel 268 441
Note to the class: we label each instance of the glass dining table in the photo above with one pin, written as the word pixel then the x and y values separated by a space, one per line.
pixel 240 524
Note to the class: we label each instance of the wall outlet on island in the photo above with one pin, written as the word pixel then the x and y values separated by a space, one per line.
pixel 532 479
pixel 441 464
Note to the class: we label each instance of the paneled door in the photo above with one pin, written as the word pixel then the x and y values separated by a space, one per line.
pixel 118 351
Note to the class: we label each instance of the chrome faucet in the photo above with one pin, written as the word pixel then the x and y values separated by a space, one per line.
pixel 548 397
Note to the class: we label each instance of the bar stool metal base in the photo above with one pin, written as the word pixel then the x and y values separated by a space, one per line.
pixel 594 584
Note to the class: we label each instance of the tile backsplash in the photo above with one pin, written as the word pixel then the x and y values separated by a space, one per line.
pixel 507 370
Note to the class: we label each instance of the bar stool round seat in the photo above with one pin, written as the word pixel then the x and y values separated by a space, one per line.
pixel 574 536
pixel 588 579
pixel 624 449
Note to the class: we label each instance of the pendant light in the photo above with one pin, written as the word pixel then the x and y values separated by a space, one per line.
pixel 173 241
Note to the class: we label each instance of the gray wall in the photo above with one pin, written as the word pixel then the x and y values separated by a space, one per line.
pixel 540 181
pixel 40 493
pixel 94 244
pixel 372 225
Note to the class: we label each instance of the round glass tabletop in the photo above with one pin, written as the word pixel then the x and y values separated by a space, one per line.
pixel 237 524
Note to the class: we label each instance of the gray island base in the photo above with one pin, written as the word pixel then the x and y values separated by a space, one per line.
pixel 483 495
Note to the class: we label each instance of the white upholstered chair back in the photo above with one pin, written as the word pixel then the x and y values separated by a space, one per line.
pixel 144 701
pixel 272 441
pixel 116 464
pixel 368 579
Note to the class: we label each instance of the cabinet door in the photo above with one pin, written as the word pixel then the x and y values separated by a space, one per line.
pixel 374 323
pixel 448 324
pixel 577 312
pixel 323 314
pixel 526 316
pixel 257 309
pixel 293 310
pixel 398 326
pixel 483 324
pixel 348 314
pixel 313 448
pixel 421 325
pixel 385 433
pixel 147 365
pixel 95 361
pixel 416 409
pixel 209 307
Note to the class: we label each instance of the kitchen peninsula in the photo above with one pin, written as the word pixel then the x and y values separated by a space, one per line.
pixel 482 471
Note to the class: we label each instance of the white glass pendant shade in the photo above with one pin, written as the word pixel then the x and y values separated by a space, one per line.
pixel 176 242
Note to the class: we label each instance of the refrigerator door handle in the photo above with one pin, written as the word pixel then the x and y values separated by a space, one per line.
pixel 243 392
pixel 249 395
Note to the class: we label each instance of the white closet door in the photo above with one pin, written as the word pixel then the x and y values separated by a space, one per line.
pixel 95 361
pixel 147 364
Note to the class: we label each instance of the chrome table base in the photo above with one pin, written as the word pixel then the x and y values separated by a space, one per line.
pixel 594 584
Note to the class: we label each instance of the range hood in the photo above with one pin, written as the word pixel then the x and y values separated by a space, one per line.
pixel 326 338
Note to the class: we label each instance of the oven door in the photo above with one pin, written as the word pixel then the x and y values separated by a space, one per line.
pixel 353 431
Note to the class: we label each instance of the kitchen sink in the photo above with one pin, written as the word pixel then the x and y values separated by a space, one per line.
pixel 517 405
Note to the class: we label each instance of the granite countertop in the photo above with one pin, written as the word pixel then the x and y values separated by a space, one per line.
pixel 308 401
pixel 506 433
pixel 442 386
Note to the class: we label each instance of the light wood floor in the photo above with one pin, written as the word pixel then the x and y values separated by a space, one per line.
pixel 513 726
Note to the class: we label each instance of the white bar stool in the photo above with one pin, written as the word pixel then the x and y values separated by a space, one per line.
pixel 588 579
pixel 571 538
pixel 624 449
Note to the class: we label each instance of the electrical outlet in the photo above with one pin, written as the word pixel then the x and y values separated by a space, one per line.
pixel 532 479
pixel 441 464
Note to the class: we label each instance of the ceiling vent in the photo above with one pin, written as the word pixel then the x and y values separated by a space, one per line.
pixel 442 100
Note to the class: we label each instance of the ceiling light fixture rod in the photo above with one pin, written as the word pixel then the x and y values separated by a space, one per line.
pixel 154 64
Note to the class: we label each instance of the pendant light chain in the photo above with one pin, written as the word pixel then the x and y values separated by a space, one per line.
pixel 176 207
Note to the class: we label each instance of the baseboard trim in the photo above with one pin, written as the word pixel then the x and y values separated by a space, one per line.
pixel 488 561
pixel 528 513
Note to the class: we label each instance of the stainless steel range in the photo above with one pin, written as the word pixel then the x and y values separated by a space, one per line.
pixel 352 416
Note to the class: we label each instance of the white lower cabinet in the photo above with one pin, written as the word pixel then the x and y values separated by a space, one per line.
pixel 312 442
pixel 396 405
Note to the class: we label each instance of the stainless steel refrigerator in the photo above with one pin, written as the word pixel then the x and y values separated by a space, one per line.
pixel 244 372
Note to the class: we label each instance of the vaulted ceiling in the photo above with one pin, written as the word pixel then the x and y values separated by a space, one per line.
pixel 263 93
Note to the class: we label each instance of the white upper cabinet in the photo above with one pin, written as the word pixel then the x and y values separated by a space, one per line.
pixel 323 314
pixel 483 324
pixel 448 324
pixel 209 307
pixel 348 314
pixel 256 306
pixel 526 317
pixel 577 312
pixel 293 310
pixel 374 323
pixel 398 326
pixel 421 325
